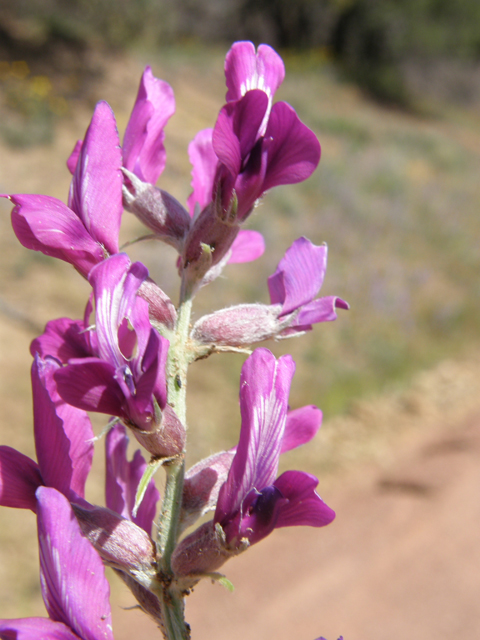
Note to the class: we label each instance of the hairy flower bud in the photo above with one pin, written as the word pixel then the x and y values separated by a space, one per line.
pixel 167 440
pixel 119 542
pixel 157 209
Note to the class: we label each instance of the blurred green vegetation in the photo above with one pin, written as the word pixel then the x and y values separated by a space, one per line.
pixel 389 47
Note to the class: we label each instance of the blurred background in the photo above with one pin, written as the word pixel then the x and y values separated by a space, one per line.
pixel 392 89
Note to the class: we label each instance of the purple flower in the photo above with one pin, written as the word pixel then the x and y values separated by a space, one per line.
pixel 143 148
pixel 253 147
pixel 204 480
pixel 253 502
pixel 293 309
pixel 74 588
pixel 122 479
pixel 125 374
pixel 63 442
pixel 86 231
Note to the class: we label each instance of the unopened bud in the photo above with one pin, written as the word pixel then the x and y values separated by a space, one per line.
pixel 167 440
pixel 237 326
pixel 161 309
pixel 120 543
pixel 157 209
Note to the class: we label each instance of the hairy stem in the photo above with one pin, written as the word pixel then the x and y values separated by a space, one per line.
pixel 172 602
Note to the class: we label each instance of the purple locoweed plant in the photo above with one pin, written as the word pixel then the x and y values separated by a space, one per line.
pixel 128 358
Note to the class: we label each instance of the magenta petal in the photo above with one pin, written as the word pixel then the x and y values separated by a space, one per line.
pixel 74 586
pixel 143 148
pixel 89 384
pixel 302 425
pixel 237 129
pixel 122 479
pixel 62 339
pixel 19 479
pixel 299 275
pixel 96 190
pixel 46 224
pixel 320 310
pixel 264 387
pixel 35 629
pixel 204 165
pixel 63 433
pixel 73 158
pixel 293 149
pixel 247 246
pixel 305 507
pixel 246 70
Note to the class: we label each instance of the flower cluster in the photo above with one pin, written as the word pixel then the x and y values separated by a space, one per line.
pixel 128 358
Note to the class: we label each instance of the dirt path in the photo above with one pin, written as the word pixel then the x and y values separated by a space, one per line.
pixel 402 560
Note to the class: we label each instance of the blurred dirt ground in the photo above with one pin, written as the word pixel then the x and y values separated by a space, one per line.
pixel 402 470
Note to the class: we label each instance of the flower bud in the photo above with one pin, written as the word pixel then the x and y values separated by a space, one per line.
pixel 167 440
pixel 119 542
pixel 237 326
pixel 157 209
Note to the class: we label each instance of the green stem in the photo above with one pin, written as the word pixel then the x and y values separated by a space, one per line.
pixel 172 601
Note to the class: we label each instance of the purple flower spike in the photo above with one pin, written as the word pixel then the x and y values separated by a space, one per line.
pixel 252 503
pixel 126 375
pixel 85 232
pixel 143 149
pixel 123 478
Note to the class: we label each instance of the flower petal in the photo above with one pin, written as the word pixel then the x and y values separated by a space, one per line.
pixel 19 479
pixel 34 629
pixel 96 189
pixel 143 148
pixel 304 507
pixel 246 70
pixel 302 425
pixel 299 275
pixel 123 477
pixel 63 433
pixel 264 387
pixel 46 224
pixel 293 151
pixel 204 165
pixel 247 246
pixel 74 586
pixel 62 339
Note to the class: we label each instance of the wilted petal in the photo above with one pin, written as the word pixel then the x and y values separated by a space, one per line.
pixel 19 479
pixel 96 190
pixel 247 246
pixel 299 275
pixel 304 507
pixel 45 224
pixel 204 165
pixel 143 148
pixel 301 426
pixel 74 586
pixel 35 629
pixel 63 433
pixel 293 149
pixel 123 477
